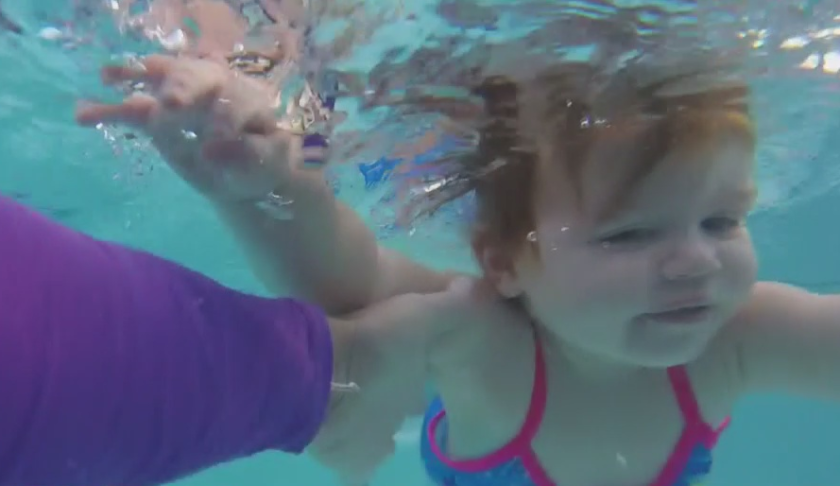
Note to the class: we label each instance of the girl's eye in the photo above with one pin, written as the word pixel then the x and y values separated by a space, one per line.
pixel 721 225
pixel 629 237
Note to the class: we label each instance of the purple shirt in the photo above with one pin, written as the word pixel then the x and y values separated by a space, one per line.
pixel 119 368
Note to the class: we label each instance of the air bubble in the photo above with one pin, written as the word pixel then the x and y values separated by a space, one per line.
pixel 277 206
pixel 174 41
pixel 133 61
pixel 351 387
pixel 50 33
pixel 622 461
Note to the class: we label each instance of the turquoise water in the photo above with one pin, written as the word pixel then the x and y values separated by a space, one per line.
pixel 131 197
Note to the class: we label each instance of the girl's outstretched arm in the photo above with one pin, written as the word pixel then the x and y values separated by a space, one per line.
pixel 788 339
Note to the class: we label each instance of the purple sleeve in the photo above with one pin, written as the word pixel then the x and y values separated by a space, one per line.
pixel 119 368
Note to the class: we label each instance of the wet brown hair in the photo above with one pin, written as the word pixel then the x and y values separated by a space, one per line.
pixel 564 111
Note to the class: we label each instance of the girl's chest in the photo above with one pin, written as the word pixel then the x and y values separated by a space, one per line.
pixel 618 432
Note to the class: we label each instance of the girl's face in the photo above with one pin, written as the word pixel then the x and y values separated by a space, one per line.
pixel 652 284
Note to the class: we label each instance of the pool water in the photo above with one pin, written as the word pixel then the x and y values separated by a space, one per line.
pixel 131 197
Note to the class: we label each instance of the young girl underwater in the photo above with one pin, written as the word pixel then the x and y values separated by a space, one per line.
pixel 617 319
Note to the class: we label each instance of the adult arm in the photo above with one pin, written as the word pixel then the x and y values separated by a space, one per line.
pixel 119 367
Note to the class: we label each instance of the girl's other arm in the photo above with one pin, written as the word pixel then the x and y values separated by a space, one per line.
pixel 788 339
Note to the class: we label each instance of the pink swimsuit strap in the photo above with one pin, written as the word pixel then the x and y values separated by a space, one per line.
pixel 695 431
pixel 519 446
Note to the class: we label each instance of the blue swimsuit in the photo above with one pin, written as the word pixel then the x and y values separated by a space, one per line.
pixel 516 463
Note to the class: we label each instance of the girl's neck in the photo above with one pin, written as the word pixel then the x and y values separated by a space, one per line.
pixel 585 364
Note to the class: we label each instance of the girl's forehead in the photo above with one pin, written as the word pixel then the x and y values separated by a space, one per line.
pixel 606 183
pixel 712 176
